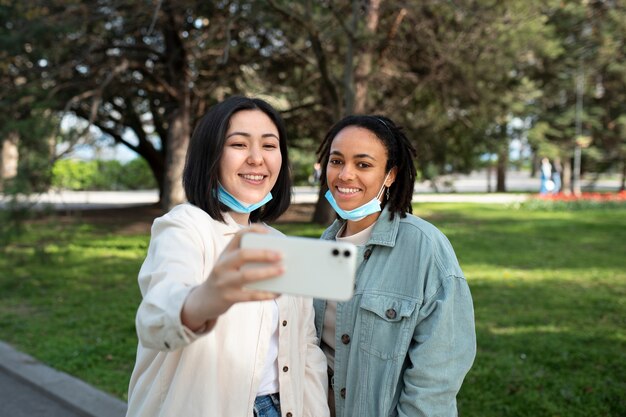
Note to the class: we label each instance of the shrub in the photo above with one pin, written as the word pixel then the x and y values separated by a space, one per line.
pixel 78 175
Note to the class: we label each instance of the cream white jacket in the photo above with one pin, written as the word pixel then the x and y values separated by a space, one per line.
pixel 180 373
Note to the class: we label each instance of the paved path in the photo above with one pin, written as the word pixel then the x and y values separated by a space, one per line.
pixel 29 388
pixel 457 188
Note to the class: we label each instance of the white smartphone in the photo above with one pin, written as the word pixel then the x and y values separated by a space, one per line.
pixel 314 268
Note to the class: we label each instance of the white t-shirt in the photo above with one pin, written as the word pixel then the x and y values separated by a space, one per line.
pixel 269 381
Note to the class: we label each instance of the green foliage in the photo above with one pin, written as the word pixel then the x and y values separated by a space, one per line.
pixel 583 84
pixel 78 175
pixel 74 175
pixel 137 175
pixel 452 73
pixel 33 136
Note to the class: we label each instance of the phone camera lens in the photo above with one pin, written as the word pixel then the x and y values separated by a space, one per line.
pixel 335 252
pixel 346 253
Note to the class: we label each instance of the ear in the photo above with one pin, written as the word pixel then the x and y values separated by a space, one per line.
pixel 391 178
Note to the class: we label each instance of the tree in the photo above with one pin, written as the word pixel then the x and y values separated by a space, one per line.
pixel 334 65
pixel 452 73
pixel 141 75
pixel 582 87
pixel 26 121
pixel 449 72
pixel 608 93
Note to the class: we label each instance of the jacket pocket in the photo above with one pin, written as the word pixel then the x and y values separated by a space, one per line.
pixel 386 325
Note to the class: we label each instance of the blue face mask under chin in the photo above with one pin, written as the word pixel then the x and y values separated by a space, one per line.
pixel 235 205
pixel 361 212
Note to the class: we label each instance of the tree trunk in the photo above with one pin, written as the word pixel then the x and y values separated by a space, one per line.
pixel 324 213
pixel 567 176
pixel 177 144
pixel 622 187
pixel 179 129
pixel 534 163
pixel 348 70
pixel 355 88
pixel 9 158
pixel 503 162
pixel 363 68
pixel 156 162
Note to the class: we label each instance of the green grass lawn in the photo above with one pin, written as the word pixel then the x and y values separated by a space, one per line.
pixel 549 290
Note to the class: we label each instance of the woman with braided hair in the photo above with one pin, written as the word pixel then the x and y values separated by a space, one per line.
pixel 405 341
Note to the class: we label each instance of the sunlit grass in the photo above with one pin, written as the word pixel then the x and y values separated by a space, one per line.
pixel 549 292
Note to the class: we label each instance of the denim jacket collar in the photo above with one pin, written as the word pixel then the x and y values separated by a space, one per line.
pixel 384 233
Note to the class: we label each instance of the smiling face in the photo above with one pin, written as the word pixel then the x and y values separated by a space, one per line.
pixel 356 168
pixel 251 158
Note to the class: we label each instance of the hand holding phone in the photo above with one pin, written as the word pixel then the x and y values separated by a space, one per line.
pixel 314 268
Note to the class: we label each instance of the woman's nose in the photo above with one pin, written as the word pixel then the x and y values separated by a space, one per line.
pixel 255 157
pixel 346 173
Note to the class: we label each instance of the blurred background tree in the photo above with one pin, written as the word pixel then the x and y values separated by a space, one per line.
pixel 459 76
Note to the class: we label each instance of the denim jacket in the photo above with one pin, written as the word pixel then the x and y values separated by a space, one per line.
pixel 406 339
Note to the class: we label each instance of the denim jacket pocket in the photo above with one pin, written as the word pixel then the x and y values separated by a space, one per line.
pixel 386 325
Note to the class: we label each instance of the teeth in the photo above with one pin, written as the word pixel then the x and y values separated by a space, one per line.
pixel 348 190
pixel 253 177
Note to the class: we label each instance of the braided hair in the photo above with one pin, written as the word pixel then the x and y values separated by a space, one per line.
pixel 400 154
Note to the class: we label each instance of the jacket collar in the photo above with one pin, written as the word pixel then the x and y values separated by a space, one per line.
pixel 227 228
pixel 384 233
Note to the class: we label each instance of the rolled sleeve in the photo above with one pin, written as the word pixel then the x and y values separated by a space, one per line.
pixel 173 266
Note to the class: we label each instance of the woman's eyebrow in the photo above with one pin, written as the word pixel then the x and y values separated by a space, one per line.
pixel 357 156
pixel 246 134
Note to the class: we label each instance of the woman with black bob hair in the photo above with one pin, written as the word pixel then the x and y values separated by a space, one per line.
pixel 209 346
pixel 405 341
pixel 201 174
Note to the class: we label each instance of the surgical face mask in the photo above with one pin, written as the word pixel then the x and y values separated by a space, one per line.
pixel 361 212
pixel 235 205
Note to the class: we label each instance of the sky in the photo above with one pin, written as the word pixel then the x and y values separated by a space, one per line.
pixel 93 143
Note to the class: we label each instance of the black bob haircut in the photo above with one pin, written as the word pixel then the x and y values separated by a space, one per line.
pixel 400 154
pixel 201 173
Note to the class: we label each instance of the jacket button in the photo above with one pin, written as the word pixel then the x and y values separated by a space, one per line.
pixel 284 323
pixel 285 368
pixel 343 393
pixel 345 339
pixel 288 414
pixel 391 313
pixel 367 254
